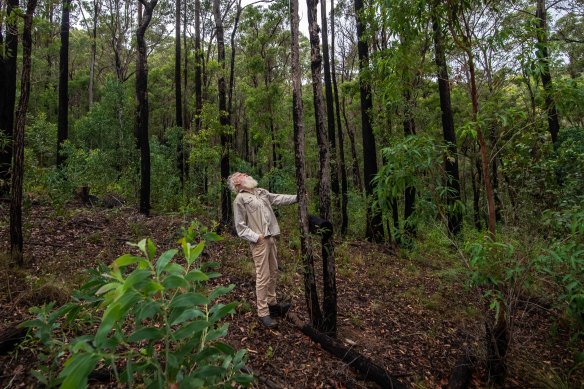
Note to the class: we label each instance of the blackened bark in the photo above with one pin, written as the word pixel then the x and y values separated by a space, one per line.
pixel 342 166
pixel 232 65
pixel 142 109
pixel 177 70
pixel 355 166
pixel 374 230
pixel 63 122
pixel 178 91
pixel 329 106
pixel 318 99
pixel 187 118
pixel 329 279
pixel 223 117
pixel 8 67
pixel 96 11
pixel 546 77
pixel 310 292
pixel 449 134
pixel 410 192
pixel 198 67
pixel 18 139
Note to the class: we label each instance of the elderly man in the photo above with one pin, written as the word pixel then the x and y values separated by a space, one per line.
pixel 255 222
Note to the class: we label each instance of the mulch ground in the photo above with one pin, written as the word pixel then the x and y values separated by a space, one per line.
pixel 408 316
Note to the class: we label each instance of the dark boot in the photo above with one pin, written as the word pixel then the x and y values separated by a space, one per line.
pixel 268 321
pixel 279 309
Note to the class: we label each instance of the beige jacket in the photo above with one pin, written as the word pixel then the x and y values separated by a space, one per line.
pixel 254 215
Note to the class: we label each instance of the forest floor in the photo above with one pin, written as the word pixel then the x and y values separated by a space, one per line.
pixel 409 312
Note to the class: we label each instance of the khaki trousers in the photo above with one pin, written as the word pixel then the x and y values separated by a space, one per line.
pixel 266 266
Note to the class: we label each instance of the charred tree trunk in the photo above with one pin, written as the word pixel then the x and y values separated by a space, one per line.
pixel 142 109
pixel 8 57
pixel 342 166
pixel 546 77
pixel 18 140
pixel 178 91
pixel 330 113
pixel 451 159
pixel 310 292
pixel 318 99
pixel 223 117
pixel 63 122
pixel 374 230
pixel 198 67
pixel 329 323
pixel 355 167
pixel 410 192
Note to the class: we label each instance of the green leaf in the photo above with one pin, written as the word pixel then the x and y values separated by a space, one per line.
pixel 126 260
pixel 152 286
pixel 77 369
pixel 209 371
pixel 174 281
pixel 174 268
pixel 188 300
pixel 147 310
pixel 194 253
pixel 107 287
pixel 146 333
pixel 196 275
pixel 189 330
pixel 212 236
pixel 151 250
pixel 181 315
pixel 135 278
pixel 220 291
pixel 164 260
pixel 223 311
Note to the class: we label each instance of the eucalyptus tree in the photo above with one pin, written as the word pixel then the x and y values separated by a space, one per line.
pixel 448 129
pixel 8 65
pixel 142 103
pixel 341 154
pixel 16 240
pixel 63 123
pixel 546 77
pixel 374 229
pixel 310 292
pixel 223 116
pixel 94 9
pixel 264 42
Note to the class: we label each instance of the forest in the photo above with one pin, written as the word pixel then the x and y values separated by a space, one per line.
pixel 436 148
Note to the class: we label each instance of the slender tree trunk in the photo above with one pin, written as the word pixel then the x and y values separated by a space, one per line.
pixel 198 67
pixel 8 65
pixel 232 65
pixel 355 166
pixel 96 11
pixel 449 134
pixel 410 191
pixel 177 69
pixel 16 241
pixel 142 109
pixel 374 230
pixel 310 292
pixel 178 92
pixel 187 118
pixel 223 117
pixel 323 149
pixel 329 106
pixel 342 167
pixel 63 123
pixel 546 77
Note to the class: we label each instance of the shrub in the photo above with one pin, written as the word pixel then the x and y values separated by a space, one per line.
pixel 158 325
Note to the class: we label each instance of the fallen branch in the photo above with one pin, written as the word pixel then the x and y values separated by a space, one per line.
pixel 264 380
pixel 363 364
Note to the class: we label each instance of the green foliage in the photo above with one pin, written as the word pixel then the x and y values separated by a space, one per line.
pixel 563 262
pixel 160 325
pixel 414 161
